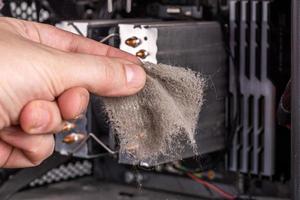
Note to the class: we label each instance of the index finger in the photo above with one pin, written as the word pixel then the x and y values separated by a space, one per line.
pixel 66 41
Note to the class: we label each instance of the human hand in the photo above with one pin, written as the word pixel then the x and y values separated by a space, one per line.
pixel 45 77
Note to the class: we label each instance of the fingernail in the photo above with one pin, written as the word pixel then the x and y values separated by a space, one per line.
pixel 40 119
pixel 134 74
pixel 84 97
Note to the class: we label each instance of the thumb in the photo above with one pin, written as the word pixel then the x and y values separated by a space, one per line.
pixel 102 75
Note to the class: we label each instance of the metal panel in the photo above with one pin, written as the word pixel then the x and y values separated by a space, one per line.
pixel 252 150
pixel 198 46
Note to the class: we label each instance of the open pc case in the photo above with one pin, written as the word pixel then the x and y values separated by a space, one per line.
pixel 244 49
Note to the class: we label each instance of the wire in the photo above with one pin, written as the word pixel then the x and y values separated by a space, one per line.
pixel 102 40
pixel 109 36
pixel 76 28
pixel 213 187
pixel 91 135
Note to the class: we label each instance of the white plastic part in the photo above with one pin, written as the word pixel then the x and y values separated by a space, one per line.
pixel 148 36
pixel 82 26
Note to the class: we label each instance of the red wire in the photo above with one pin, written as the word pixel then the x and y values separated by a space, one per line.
pixel 212 187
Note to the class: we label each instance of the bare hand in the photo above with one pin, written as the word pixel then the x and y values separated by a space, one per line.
pixel 45 77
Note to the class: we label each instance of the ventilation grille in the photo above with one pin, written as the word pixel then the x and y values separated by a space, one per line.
pixel 252 150
pixel 64 172
pixel 27 10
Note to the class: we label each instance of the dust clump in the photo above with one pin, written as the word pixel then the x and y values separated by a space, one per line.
pixel 155 122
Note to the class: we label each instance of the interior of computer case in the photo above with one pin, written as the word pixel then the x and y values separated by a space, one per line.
pixel 243 48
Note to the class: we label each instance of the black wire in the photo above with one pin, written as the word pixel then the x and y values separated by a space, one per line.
pixel 76 28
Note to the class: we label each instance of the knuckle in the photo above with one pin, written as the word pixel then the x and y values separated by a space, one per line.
pixel 37 154
pixel 5 153
pixel 73 44
pixel 33 150
pixel 108 76
pixel 35 163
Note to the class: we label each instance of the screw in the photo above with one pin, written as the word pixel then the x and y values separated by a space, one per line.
pixel 142 54
pixel 73 137
pixel 133 42
pixel 67 126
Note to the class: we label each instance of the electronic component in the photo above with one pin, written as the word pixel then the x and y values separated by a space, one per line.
pixel 257 39
pixel 175 11
pixel 252 149
pixel 197 45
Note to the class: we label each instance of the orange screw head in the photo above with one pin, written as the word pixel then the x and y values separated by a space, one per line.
pixel 73 137
pixel 133 42
pixel 142 54
pixel 67 126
